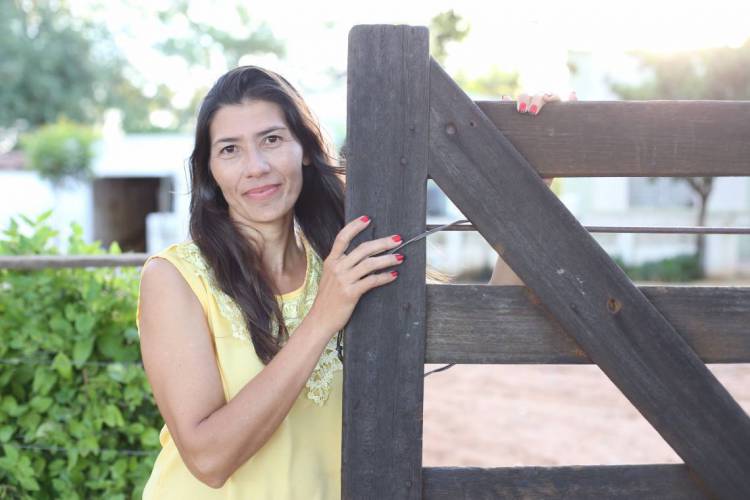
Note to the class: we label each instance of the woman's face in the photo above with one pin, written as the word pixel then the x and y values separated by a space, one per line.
pixel 256 161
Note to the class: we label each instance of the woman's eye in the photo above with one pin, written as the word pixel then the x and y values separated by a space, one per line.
pixel 228 149
pixel 273 139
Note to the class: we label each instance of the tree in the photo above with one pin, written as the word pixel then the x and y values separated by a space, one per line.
pixel 54 66
pixel 200 43
pixel 203 39
pixel 715 73
pixel 60 152
pixel 448 27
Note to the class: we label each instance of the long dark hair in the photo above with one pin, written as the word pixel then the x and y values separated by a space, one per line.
pixel 319 210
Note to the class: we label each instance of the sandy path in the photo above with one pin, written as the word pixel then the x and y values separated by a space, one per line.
pixel 503 415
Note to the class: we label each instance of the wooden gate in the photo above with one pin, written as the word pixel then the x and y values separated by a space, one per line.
pixel 407 121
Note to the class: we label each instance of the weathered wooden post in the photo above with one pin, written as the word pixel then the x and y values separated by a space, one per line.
pixel 387 133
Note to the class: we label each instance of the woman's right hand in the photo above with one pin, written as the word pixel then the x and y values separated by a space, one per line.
pixel 346 277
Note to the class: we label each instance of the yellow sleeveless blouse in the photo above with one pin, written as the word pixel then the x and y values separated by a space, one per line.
pixel 302 459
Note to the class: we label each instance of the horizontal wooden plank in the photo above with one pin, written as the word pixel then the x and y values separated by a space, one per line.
pixel 35 262
pixel 644 482
pixel 630 138
pixel 508 324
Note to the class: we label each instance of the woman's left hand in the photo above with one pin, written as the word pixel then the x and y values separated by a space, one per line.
pixel 534 104
pixel 503 274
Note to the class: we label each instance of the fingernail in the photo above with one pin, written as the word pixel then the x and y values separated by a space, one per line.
pixel 533 109
pixel 364 218
pixel 396 238
pixel 394 273
pixel 399 257
pixel 522 107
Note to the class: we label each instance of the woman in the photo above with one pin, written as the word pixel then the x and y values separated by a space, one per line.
pixel 252 411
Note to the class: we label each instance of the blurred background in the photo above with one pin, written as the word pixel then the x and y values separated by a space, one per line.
pixel 98 102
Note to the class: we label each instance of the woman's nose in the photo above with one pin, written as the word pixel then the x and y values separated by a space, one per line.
pixel 256 163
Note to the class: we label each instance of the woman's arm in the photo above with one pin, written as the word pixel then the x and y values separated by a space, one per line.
pixel 503 274
pixel 214 437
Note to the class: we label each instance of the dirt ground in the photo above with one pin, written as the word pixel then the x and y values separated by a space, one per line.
pixel 508 415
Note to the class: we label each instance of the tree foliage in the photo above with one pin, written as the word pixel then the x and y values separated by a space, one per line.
pixel 446 27
pixel 54 65
pixel 714 74
pixel 60 151
pixel 203 39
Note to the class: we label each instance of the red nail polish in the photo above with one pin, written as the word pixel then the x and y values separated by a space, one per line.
pixel 394 273
pixel 522 107
pixel 396 238
pixel 364 218
pixel 399 257
pixel 533 109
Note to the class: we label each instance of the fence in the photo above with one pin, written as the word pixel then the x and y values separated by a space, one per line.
pixel 407 121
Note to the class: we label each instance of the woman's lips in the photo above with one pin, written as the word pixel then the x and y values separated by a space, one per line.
pixel 262 193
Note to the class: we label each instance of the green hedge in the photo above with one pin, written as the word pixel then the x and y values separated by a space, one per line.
pixel 77 418
pixel 673 269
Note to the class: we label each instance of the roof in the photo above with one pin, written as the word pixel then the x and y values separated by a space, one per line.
pixel 13 160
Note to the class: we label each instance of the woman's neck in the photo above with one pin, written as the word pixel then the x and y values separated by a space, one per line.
pixel 282 253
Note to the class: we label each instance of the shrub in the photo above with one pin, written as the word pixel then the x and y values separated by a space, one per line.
pixel 673 269
pixel 77 419
pixel 60 151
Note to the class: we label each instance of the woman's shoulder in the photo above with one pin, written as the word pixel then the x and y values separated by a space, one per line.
pixel 183 255
pixel 186 258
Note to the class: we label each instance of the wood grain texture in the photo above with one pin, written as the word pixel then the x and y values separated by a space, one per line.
pixel 509 324
pixel 629 138
pixel 387 129
pixel 618 482
pixel 588 294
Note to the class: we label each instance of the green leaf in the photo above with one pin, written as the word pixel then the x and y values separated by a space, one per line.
pixel 41 403
pixel 70 312
pixel 6 432
pixel 112 346
pixel 62 364
pixel 82 351
pixel 59 324
pixel 44 216
pixel 112 416
pixel 44 379
pixel 11 452
pixel 116 372
pixel 45 430
pixel 84 323
pixel 150 438
pixel 11 407
pixel 88 445
pixel 25 474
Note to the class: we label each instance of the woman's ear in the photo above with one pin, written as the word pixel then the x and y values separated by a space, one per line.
pixel 305 161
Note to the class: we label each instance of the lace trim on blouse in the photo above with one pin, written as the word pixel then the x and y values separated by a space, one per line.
pixel 293 310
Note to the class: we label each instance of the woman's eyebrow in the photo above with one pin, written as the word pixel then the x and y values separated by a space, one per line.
pixel 262 132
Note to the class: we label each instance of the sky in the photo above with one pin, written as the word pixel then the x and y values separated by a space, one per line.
pixel 532 38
